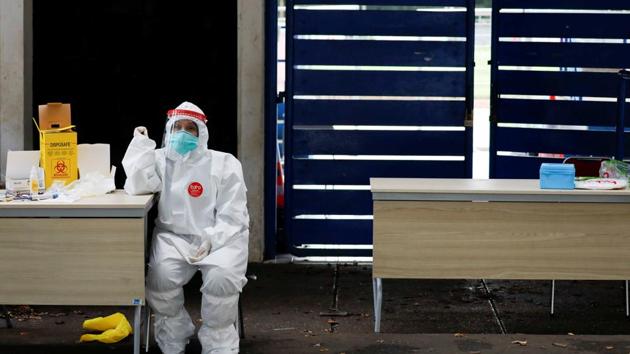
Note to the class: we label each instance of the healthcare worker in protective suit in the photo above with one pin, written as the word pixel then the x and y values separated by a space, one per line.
pixel 202 224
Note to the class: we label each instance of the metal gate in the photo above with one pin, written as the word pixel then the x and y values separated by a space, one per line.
pixel 554 81
pixel 374 89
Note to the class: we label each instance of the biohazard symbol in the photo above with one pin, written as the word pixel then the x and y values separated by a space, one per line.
pixel 60 167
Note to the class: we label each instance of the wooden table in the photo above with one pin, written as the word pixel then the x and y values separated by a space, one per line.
pixel 496 229
pixel 89 252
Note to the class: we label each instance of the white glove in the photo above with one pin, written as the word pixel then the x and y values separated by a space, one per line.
pixel 141 131
pixel 201 253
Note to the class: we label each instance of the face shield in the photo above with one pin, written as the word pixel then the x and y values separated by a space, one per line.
pixel 182 135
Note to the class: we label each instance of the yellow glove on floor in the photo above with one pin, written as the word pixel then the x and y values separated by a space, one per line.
pixel 116 328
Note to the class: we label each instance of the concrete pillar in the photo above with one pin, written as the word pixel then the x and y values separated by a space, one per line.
pixel 15 78
pixel 250 113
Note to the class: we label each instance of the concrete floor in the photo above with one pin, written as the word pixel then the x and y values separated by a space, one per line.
pixel 282 315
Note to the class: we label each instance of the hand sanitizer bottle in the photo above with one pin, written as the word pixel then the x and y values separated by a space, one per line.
pixel 34 181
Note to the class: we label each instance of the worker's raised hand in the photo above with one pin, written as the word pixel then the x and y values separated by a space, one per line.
pixel 201 253
pixel 141 131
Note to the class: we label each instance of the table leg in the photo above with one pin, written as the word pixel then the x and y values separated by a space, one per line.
pixel 374 301
pixel 148 326
pixel 7 317
pixel 627 304
pixel 553 296
pixel 377 287
pixel 136 329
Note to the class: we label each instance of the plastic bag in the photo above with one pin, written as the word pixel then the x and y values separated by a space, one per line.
pixel 600 183
pixel 613 169
pixel 92 184
pixel 115 327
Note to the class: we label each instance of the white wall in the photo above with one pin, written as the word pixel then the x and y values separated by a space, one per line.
pixel 15 77
pixel 250 112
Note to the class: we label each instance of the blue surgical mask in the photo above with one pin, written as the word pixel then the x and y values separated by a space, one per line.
pixel 183 142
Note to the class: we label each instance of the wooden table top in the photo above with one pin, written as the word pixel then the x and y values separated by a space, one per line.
pixel 498 189
pixel 117 203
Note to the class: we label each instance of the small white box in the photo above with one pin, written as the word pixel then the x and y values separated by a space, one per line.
pixel 17 185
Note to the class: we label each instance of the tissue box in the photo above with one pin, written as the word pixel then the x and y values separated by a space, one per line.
pixel 557 176
pixel 19 164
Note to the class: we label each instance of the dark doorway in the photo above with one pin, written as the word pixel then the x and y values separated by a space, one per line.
pixel 125 63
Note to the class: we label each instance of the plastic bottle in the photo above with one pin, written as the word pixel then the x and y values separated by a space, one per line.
pixel 34 180
pixel 41 179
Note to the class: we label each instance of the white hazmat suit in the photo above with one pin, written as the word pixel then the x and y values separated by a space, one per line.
pixel 202 224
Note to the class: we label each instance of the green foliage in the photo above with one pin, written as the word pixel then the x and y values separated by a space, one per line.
pixel 483 3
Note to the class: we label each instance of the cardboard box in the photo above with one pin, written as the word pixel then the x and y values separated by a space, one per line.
pixel 94 158
pixel 57 143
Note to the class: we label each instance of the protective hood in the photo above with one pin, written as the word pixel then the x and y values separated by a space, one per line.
pixel 186 111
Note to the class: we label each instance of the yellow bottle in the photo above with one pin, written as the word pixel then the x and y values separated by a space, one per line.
pixel 34 181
